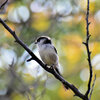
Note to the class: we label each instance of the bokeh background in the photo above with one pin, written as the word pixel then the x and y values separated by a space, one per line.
pixel 62 20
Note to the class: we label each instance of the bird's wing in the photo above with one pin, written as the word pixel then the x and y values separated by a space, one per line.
pixel 55 49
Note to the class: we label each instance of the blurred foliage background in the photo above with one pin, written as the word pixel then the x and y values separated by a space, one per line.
pixel 62 20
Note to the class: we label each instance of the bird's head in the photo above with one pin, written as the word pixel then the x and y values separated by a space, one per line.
pixel 43 40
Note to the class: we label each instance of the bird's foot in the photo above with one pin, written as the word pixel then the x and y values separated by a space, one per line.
pixel 52 66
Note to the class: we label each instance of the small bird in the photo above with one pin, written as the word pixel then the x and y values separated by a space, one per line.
pixel 48 52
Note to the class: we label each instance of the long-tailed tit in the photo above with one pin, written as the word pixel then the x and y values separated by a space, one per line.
pixel 48 52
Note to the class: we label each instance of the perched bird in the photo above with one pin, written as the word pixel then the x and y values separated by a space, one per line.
pixel 48 52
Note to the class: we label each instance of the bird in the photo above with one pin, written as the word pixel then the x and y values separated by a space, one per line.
pixel 48 52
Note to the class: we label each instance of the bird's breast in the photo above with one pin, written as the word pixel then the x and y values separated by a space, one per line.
pixel 48 55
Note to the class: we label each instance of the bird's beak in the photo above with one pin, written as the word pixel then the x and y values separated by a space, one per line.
pixel 35 42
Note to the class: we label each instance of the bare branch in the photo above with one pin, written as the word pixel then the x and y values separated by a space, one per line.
pixel 29 59
pixel 88 50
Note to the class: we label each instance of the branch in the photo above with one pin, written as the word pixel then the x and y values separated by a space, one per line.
pixel 50 70
pixel 88 50
pixel 92 87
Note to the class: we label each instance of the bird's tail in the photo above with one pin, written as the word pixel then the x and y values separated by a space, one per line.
pixel 57 70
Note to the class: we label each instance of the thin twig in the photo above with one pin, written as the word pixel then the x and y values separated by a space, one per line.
pixel 88 50
pixel 92 88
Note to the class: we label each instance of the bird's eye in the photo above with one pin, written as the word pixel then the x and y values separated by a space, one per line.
pixel 38 40
pixel 47 41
